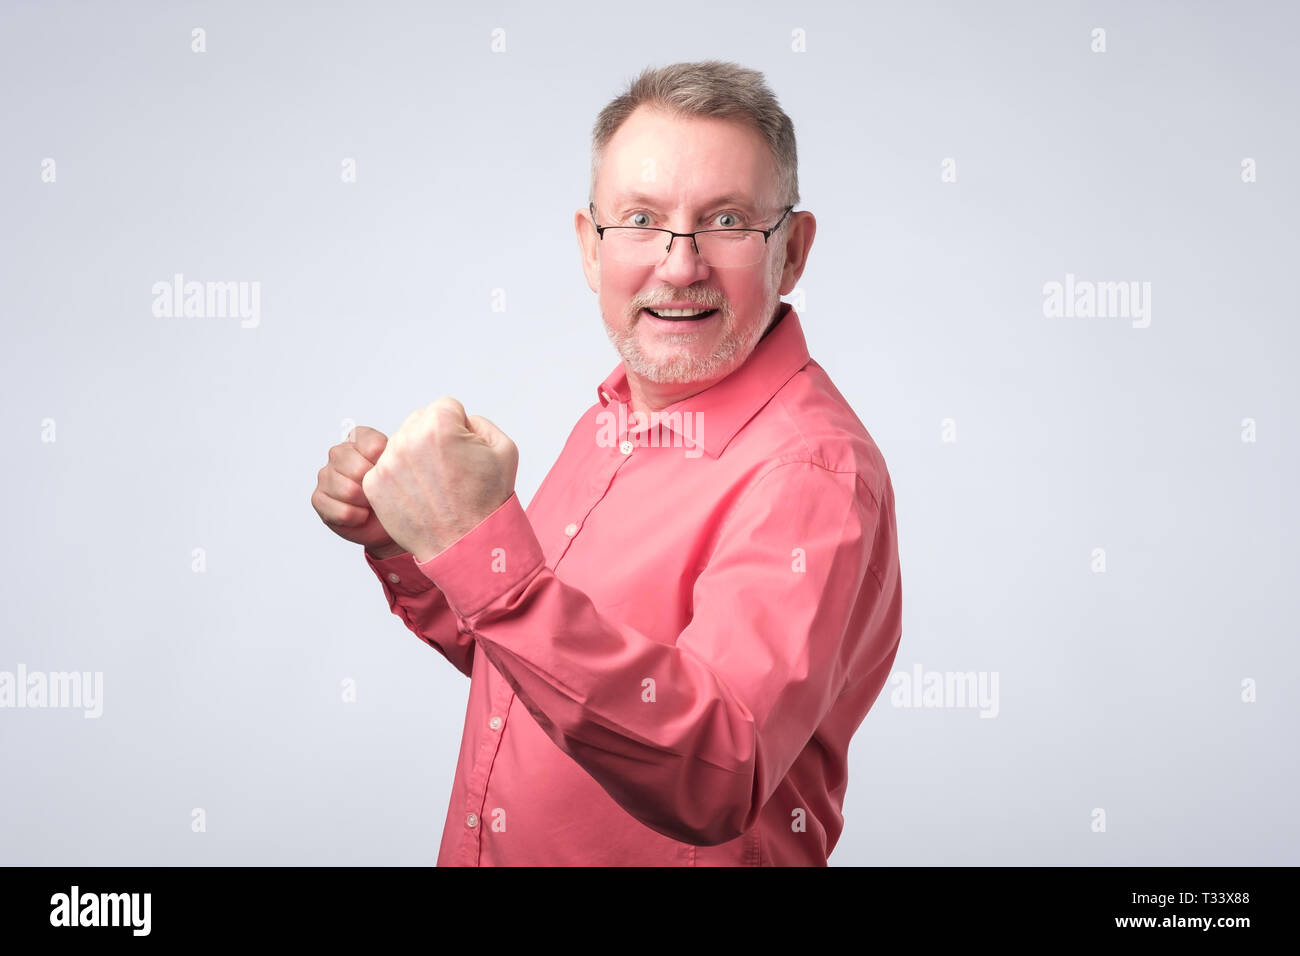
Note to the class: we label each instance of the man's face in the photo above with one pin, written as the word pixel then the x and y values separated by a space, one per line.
pixel 671 173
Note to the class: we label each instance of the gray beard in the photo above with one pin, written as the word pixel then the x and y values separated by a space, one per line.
pixel 683 369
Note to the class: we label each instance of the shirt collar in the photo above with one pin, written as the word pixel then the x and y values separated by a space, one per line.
pixel 727 405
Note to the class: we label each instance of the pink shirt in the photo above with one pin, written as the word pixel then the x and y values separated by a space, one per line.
pixel 671 647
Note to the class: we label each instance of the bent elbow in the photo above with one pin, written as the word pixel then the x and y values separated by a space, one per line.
pixel 713 823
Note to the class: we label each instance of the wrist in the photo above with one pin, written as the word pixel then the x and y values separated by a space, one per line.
pixel 388 551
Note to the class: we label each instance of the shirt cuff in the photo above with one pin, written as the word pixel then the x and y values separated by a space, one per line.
pixel 498 554
pixel 400 573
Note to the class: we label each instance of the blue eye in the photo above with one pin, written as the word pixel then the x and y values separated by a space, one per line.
pixel 736 223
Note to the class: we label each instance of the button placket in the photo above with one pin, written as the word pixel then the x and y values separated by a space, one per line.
pixel 597 489
pixel 500 698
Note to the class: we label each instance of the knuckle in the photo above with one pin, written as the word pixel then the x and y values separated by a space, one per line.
pixel 445 407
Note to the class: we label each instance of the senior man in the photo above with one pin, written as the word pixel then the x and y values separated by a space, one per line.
pixel 671 647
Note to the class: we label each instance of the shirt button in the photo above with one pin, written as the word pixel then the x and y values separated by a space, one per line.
pixel 395 579
pixel 495 723
pixel 626 447
pixel 472 820
pixel 570 529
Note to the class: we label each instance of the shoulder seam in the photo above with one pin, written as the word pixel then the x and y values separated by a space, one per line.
pixel 786 462
pixel 809 456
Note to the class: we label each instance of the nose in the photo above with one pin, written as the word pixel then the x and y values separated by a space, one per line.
pixel 682 266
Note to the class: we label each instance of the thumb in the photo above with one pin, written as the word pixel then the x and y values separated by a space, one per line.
pixel 503 450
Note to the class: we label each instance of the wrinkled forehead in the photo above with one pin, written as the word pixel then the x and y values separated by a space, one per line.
pixel 623 200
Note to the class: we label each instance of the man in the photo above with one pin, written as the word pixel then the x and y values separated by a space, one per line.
pixel 671 648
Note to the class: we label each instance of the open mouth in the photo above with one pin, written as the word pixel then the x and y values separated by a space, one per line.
pixel 680 318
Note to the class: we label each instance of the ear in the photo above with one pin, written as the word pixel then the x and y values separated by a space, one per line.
pixel 799 239
pixel 587 240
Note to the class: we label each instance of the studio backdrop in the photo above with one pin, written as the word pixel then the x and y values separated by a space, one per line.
pixel 1053 274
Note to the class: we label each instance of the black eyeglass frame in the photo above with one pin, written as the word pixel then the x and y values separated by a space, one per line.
pixel 765 233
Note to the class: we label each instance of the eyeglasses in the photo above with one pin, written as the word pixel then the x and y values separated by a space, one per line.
pixel 720 248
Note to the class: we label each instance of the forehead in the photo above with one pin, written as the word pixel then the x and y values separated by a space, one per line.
pixel 686 162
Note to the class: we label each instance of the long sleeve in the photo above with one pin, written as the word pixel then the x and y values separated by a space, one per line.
pixel 691 738
pixel 423 609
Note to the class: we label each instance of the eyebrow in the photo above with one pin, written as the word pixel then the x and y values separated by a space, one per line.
pixel 730 199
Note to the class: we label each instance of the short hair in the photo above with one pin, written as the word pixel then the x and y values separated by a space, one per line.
pixel 711 88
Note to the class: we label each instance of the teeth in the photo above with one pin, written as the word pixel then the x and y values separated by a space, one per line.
pixel 675 312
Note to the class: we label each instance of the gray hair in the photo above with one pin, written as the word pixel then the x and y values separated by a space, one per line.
pixel 711 88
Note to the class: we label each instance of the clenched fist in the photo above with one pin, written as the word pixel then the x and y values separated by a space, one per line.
pixel 340 500
pixel 440 475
